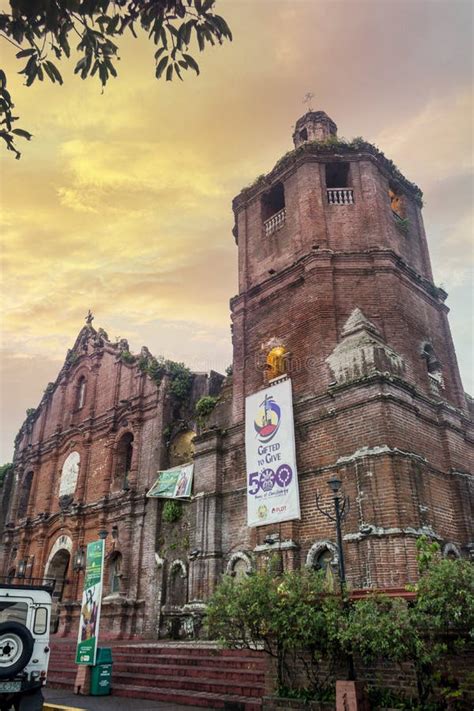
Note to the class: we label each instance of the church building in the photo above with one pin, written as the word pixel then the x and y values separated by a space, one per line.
pixel 336 296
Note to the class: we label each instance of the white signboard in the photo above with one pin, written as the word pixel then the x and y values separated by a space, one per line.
pixel 272 481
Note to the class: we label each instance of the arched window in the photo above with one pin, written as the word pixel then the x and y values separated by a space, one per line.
pixel 123 461
pixel 451 552
pixel 239 566
pixel 273 209
pixel 433 366
pixel 177 584
pixel 322 555
pixel 25 491
pixel 81 392
pixel 115 572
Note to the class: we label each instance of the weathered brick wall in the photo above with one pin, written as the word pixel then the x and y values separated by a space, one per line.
pixel 402 449
pixel 119 399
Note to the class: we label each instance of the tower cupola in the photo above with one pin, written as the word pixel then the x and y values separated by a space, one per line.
pixel 314 126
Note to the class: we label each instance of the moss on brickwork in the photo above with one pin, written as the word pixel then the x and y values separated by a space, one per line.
pixel 331 147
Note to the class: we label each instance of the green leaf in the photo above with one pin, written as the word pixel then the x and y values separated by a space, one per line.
pixel 192 63
pixel 169 73
pixel 223 26
pixel 200 37
pixel 207 5
pixel 22 133
pixel 189 27
pixel 48 71
pixel 52 72
pixel 80 65
pixel 164 38
pixel 103 73
pixel 25 53
pixel 161 67
pixel 32 75
pixel 113 24
pixel 110 67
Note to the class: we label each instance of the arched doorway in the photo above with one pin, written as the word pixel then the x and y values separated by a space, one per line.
pixel 57 570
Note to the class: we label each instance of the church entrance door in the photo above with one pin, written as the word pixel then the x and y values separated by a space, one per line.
pixel 57 570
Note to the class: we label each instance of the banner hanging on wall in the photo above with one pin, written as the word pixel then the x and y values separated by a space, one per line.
pixel 91 599
pixel 173 483
pixel 272 481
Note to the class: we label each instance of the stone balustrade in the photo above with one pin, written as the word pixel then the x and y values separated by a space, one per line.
pixel 275 222
pixel 340 196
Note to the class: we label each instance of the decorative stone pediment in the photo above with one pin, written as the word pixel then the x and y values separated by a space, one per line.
pixel 362 351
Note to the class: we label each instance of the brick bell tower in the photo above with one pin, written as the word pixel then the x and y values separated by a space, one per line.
pixel 334 270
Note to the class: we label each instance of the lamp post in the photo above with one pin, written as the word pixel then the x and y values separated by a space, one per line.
pixel 341 508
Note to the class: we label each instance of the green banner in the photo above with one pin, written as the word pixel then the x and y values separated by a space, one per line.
pixel 90 608
pixel 173 483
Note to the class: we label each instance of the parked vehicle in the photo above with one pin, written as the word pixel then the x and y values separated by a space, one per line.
pixel 25 614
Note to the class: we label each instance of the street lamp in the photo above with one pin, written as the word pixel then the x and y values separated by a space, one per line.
pixel 21 570
pixel 341 508
pixel 79 559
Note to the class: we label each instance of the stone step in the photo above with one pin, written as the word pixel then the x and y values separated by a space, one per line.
pixel 254 676
pixel 209 672
pixel 61 682
pixel 194 698
pixel 185 650
pixel 181 659
pixel 180 664
pixel 201 683
pixel 195 675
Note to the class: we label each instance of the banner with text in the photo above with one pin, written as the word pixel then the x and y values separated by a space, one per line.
pixel 173 483
pixel 272 481
pixel 91 598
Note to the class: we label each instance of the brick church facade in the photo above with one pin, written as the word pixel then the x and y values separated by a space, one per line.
pixel 335 292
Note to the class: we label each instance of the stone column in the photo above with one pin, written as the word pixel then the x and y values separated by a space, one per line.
pixel 206 567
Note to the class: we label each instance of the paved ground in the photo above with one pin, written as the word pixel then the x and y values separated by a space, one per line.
pixel 111 703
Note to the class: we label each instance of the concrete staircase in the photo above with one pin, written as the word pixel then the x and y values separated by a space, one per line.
pixel 194 674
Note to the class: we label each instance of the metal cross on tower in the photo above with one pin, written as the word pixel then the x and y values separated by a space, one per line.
pixel 307 99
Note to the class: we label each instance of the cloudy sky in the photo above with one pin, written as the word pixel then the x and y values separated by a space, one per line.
pixel 122 202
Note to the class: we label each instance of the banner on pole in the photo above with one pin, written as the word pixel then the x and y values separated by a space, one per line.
pixel 272 481
pixel 91 599
pixel 173 483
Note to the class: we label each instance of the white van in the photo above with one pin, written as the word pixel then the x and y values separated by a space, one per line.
pixel 25 614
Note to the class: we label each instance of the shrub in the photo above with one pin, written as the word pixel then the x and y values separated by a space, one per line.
pixel 291 617
pixel 180 376
pixel 172 511
pixel 205 406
